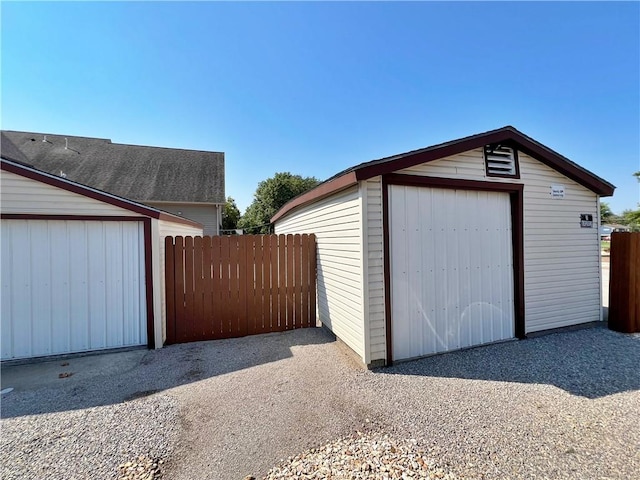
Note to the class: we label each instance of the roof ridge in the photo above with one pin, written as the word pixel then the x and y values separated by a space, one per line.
pixel 57 135
pixel 110 141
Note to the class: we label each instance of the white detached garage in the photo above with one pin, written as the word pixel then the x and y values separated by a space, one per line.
pixel 81 269
pixel 474 241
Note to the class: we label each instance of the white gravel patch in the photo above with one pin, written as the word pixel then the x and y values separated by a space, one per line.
pixel 373 456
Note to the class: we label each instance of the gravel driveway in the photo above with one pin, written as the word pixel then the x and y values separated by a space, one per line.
pixel 558 406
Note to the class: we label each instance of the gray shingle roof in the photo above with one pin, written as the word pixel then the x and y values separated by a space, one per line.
pixel 140 173
pixel 9 151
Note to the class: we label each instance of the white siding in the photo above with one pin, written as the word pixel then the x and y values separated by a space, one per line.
pixel 451 269
pixel 336 222
pixel 562 277
pixel 205 214
pixel 71 286
pixel 167 228
pixel 374 269
pixel 23 195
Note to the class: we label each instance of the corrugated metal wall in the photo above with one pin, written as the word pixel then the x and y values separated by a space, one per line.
pixel 451 269
pixel 71 286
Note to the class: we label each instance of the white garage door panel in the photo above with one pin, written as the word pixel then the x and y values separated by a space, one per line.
pixel 71 286
pixel 451 269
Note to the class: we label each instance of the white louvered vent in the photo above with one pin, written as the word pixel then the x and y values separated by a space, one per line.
pixel 501 160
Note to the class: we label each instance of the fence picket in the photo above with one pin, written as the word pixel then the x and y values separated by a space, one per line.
pixel 231 286
pixel 282 283
pixel 273 284
pixel 179 290
pixel 170 289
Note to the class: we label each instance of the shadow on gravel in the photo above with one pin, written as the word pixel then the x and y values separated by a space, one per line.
pixel 154 372
pixel 591 363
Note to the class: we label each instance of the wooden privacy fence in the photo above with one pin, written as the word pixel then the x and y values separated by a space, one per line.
pixel 232 286
pixel 624 283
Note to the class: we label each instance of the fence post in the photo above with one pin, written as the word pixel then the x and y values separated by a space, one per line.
pixel 624 285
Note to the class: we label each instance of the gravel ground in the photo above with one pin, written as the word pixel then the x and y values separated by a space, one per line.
pixel 288 405
pixel 91 442
pixel 363 456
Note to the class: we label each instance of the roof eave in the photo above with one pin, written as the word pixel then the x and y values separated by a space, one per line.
pixel 505 134
pixel 323 190
pixel 399 162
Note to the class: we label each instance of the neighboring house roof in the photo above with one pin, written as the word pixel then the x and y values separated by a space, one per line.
pixel 9 151
pixel 144 174
pixel 27 171
pixel 506 135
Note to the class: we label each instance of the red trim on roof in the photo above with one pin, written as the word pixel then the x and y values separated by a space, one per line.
pixel 506 134
pixel 74 187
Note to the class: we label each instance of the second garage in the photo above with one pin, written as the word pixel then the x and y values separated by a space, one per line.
pixel 477 240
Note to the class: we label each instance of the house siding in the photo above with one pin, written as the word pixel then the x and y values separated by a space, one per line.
pixel 562 264
pixel 24 195
pixel 374 268
pixel 206 214
pixel 337 223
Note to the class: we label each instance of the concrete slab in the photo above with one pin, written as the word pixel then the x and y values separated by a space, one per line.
pixel 69 370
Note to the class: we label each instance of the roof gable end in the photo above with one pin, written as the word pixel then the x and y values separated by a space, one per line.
pixel 506 135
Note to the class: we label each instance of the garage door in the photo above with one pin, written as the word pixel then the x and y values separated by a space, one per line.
pixel 71 286
pixel 451 269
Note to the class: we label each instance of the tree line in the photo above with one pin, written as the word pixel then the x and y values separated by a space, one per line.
pixel 629 217
pixel 269 197
pixel 274 192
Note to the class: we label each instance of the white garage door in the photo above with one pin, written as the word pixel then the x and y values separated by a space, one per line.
pixel 451 269
pixel 71 286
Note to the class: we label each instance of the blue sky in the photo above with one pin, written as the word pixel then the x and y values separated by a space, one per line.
pixel 313 88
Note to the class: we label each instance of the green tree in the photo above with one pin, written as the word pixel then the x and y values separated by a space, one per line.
pixel 230 215
pixel 605 213
pixel 631 218
pixel 270 195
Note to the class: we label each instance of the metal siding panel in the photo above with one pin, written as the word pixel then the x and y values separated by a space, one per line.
pixel 399 301
pixel 114 288
pixel 6 263
pixel 71 286
pixel 79 286
pixel 451 269
pixel 21 298
pixel 40 276
pixel 60 259
pixel 95 247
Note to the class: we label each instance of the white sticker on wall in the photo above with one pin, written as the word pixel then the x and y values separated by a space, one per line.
pixel 557 191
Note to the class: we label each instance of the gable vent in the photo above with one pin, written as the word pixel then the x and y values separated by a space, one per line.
pixel 501 161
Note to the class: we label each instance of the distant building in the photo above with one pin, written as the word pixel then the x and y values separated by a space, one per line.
pixel 188 183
